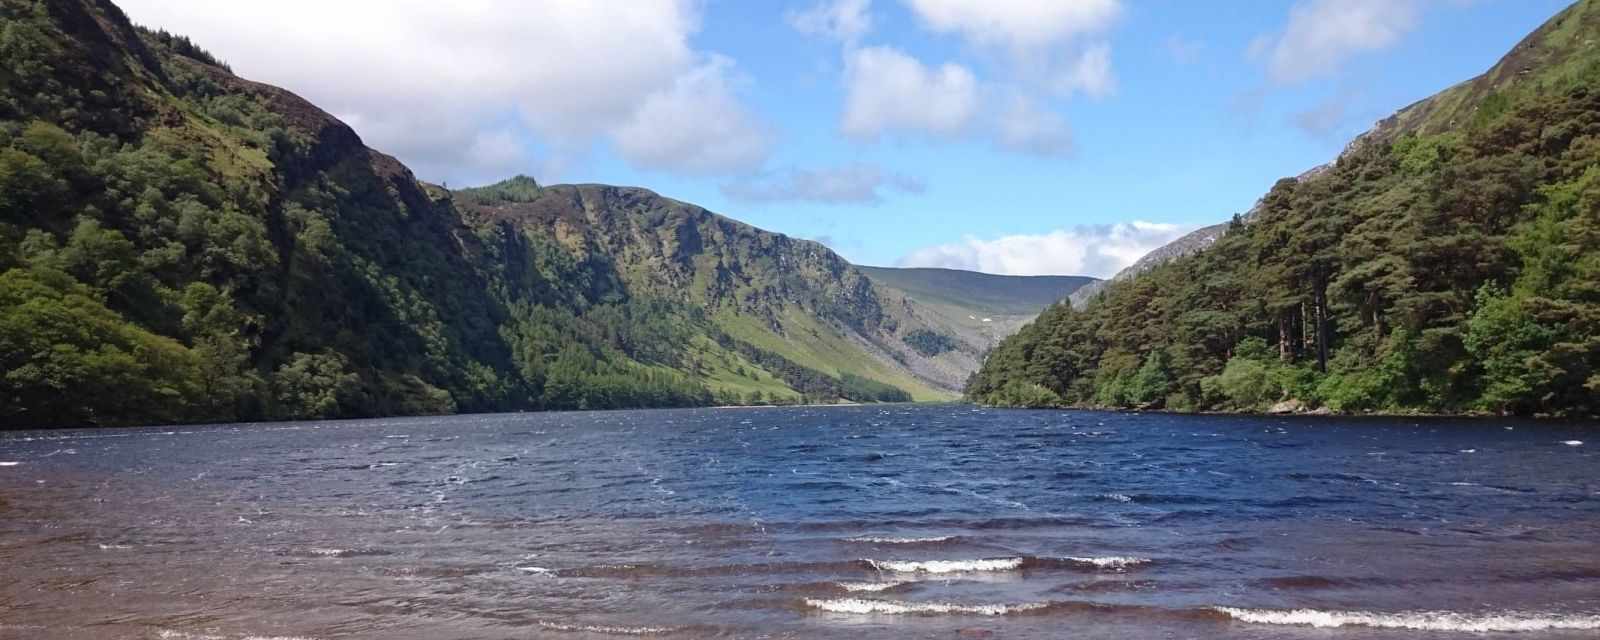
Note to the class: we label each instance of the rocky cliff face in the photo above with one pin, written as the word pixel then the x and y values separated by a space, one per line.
pixel 663 247
pixel 795 291
pixel 288 271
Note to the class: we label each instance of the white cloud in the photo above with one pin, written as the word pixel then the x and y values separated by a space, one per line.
pixel 1090 73
pixel 418 77
pixel 1322 34
pixel 1092 250
pixel 1017 24
pixel 843 20
pixel 849 184
pixel 1024 126
pixel 697 126
pixel 888 91
pixel 1043 39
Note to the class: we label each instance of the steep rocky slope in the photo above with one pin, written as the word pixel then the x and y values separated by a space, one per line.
pixel 181 244
pixel 974 310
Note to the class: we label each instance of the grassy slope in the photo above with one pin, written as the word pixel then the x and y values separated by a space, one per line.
pixel 977 309
pixel 1551 58
pixel 979 293
pixel 813 345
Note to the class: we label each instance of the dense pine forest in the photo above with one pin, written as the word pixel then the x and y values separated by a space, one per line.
pixel 178 244
pixel 1448 261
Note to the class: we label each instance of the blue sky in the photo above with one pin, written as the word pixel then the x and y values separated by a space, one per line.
pixel 1035 136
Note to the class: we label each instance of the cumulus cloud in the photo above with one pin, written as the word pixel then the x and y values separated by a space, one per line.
pixel 1322 34
pixel 1092 250
pixel 843 20
pixel 1018 25
pixel 1026 127
pixel 697 126
pixel 426 80
pixel 888 91
pixel 849 184
pixel 1051 43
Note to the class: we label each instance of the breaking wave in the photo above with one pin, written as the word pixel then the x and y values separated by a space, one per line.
pixel 1117 563
pixel 1112 562
pixel 606 629
pixel 1415 620
pixel 858 605
pixel 871 587
pixel 901 540
pixel 947 566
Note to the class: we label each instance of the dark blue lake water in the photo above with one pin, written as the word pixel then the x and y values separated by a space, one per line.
pixel 852 522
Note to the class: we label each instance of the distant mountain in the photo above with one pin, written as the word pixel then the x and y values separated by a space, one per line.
pixel 982 292
pixel 1187 244
pixel 792 298
pixel 1446 261
pixel 969 312
pixel 180 244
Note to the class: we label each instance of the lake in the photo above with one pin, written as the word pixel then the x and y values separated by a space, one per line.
pixel 898 521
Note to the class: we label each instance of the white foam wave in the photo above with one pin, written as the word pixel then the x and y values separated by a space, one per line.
pixel 612 630
pixel 331 553
pixel 9 464
pixel 947 566
pixel 1112 562
pixel 872 587
pixel 114 547
pixel 1416 620
pixel 1572 443
pixel 1119 497
pixel 858 605
pixel 538 571
pixel 900 540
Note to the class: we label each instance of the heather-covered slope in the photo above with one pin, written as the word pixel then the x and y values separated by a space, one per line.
pixel 980 292
pixel 180 244
pixel 970 311
pixel 792 298
pixel 1448 261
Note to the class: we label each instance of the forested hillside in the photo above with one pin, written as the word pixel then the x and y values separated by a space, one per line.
pixel 179 244
pixel 1448 261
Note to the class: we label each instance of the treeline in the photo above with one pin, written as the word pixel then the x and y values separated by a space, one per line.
pixel 929 343
pixel 176 246
pixel 1451 272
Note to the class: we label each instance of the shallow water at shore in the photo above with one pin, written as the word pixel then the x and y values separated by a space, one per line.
pixel 898 521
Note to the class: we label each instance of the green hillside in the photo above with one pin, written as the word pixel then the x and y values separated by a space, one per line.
pixel 1448 261
pixel 980 292
pixel 179 244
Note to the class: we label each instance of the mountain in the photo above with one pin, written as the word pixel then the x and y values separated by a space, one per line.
pixel 789 298
pixel 179 244
pixel 981 292
pixel 1447 261
pixel 974 310
pixel 1187 244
